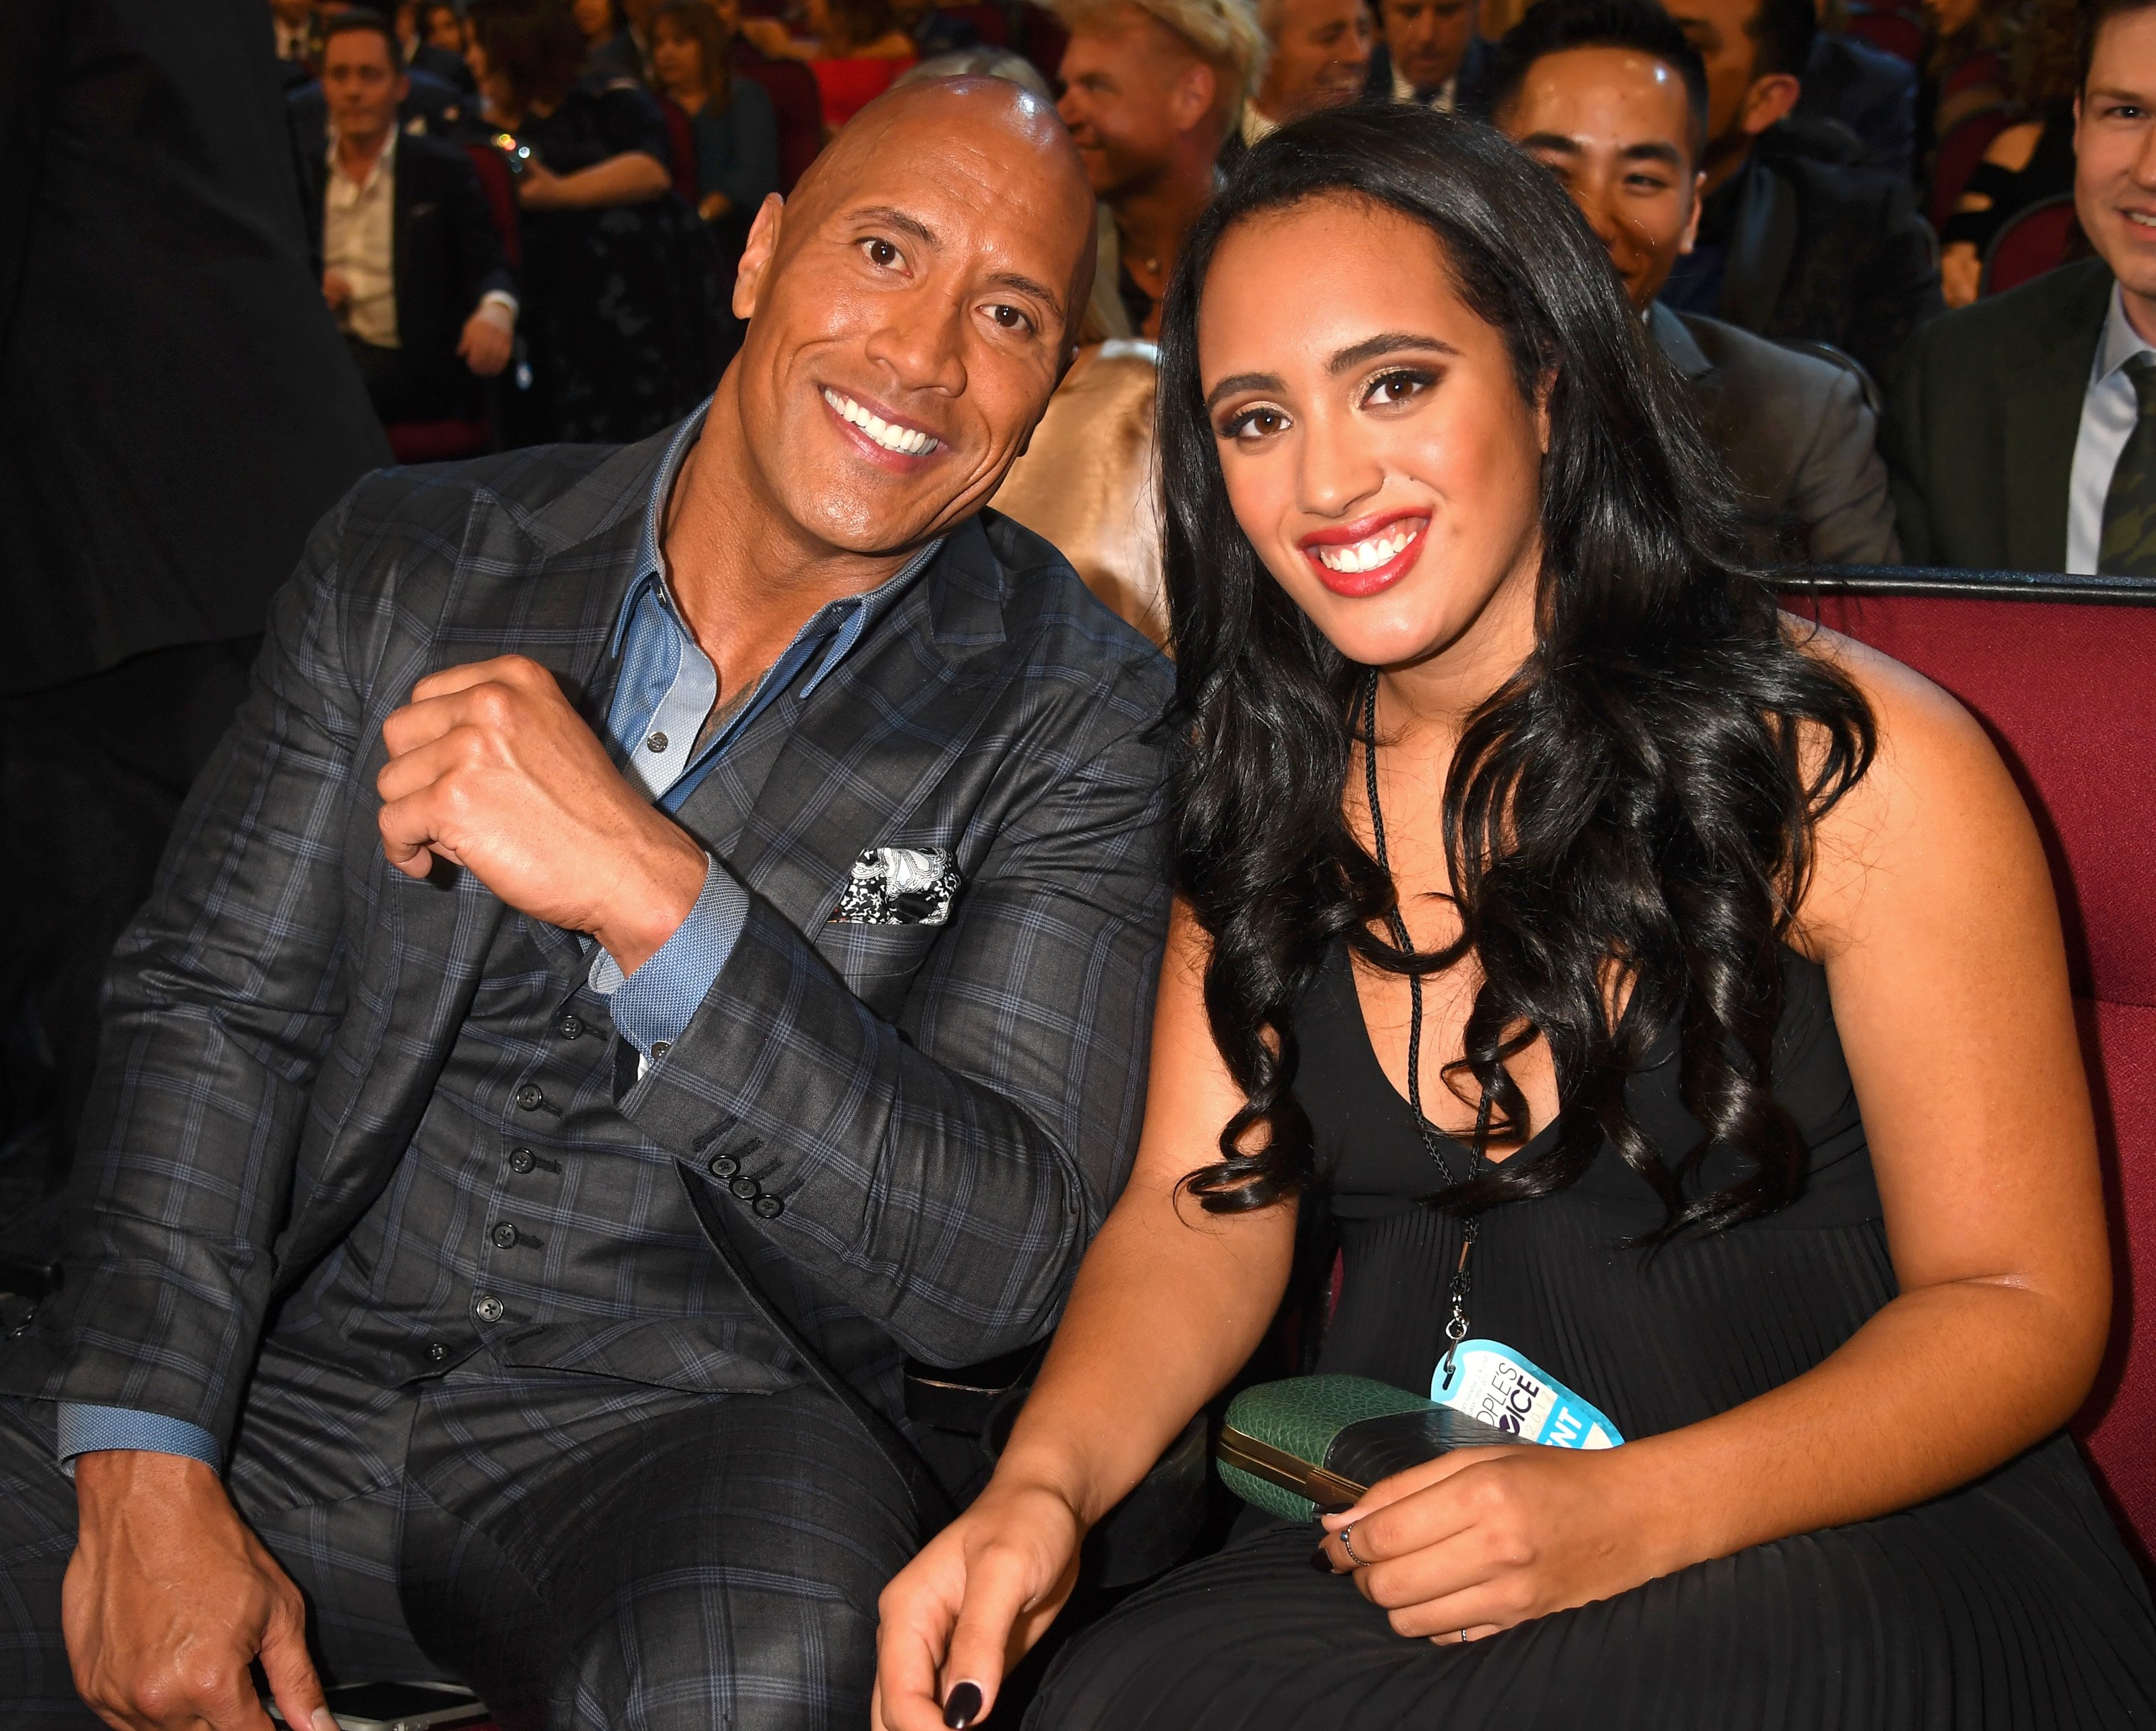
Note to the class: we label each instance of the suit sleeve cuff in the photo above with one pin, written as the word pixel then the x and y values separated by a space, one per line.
pixel 652 1006
pixel 91 1429
pixel 500 306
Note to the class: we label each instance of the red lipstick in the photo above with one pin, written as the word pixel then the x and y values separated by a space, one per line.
pixel 1376 578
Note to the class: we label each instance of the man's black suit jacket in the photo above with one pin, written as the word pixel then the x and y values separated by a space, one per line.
pixel 1471 96
pixel 1983 421
pixel 1825 251
pixel 176 409
pixel 445 253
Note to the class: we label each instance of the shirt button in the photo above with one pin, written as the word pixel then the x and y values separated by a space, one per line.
pixel 656 743
pixel 521 1160
pixel 724 1165
pixel 531 1097
pixel 571 1026
pixel 769 1207
pixel 504 1235
pixel 488 1308
pixel 438 1354
pixel 745 1188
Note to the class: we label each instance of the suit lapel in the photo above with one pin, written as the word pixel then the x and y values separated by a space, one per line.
pixel 876 739
pixel 2043 415
pixel 1761 243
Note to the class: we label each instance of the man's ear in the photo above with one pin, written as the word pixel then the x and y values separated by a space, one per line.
pixel 1194 94
pixel 1691 226
pixel 1769 99
pixel 756 255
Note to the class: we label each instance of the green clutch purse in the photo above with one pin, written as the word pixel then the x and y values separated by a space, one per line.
pixel 1312 1444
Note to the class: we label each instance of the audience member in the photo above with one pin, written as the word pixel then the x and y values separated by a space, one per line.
pixel 292 28
pixel 1151 91
pixel 624 312
pixel 736 136
pixel 438 52
pixel 1610 95
pixel 1865 93
pixel 1429 52
pixel 610 54
pixel 2030 161
pixel 854 48
pixel 637 15
pixel 1089 481
pixel 934 31
pixel 412 267
pixel 536 1251
pixel 1967 71
pixel 1791 245
pixel 179 409
pixel 1317 56
pixel 2021 432
pixel 432 108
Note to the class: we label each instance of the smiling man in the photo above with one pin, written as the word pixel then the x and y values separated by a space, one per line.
pixel 2020 430
pixel 672 934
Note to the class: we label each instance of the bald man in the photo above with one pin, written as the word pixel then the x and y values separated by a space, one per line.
pixel 670 935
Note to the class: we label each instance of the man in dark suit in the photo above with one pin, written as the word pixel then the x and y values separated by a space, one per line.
pixel 1431 52
pixel 1865 94
pixel 1613 98
pixel 178 410
pixel 2020 431
pixel 412 267
pixel 672 932
pixel 1794 243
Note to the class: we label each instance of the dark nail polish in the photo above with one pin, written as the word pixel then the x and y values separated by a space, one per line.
pixel 1322 1562
pixel 962 1705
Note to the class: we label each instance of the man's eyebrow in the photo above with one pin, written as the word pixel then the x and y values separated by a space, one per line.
pixel 1390 342
pixel 1556 141
pixel 1027 285
pixel 1656 151
pixel 2119 96
pixel 891 217
pixel 1236 381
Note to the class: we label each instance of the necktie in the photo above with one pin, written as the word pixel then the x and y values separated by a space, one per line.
pixel 2128 547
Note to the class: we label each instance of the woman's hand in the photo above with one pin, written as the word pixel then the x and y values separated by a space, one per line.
pixel 971 1605
pixel 539 187
pixel 1478 1540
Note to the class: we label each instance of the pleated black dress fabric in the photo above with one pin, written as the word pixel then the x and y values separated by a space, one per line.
pixel 2010 1603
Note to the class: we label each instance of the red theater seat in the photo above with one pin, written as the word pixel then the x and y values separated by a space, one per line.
pixel 1959 154
pixel 2032 242
pixel 797 106
pixel 2063 673
pixel 1889 31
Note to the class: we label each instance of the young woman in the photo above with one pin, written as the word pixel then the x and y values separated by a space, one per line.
pixel 736 134
pixel 623 308
pixel 1542 881
pixel 610 52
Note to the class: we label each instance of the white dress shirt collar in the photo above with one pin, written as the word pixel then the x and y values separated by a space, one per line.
pixel 2110 411
pixel 1440 100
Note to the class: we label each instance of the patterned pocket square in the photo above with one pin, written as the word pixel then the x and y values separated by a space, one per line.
pixel 899 886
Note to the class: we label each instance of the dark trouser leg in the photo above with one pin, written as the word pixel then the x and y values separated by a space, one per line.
pixel 714 1562
pixel 95 771
pixel 37 1537
pixel 402 390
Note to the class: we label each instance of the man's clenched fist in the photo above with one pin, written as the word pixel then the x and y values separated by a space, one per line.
pixel 490 768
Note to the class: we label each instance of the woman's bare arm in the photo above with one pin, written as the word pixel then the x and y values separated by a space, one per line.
pixel 1168 1304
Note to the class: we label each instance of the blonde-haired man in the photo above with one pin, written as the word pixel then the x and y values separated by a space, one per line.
pixel 1151 87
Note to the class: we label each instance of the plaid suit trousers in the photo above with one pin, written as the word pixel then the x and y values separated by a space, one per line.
pixel 584 1552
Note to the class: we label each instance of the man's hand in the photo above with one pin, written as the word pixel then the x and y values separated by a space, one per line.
pixel 486 342
pixel 169 1598
pixel 336 290
pixel 490 768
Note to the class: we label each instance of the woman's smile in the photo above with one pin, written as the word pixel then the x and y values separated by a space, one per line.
pixel 1369 555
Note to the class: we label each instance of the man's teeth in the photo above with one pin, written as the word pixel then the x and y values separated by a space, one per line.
pixel 892 437
pixel 1368 555
pixel 2146 221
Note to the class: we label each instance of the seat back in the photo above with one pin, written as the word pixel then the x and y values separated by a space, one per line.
pixel 1889 31
pixel 1957 156
pixel 2030 243
pixel 681 150
pixel 991 23
pixel 1042 38
pixel 2062 674
pixel 500 187
pixel 798 107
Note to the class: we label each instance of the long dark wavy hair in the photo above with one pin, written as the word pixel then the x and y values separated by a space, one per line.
pixel 1635 805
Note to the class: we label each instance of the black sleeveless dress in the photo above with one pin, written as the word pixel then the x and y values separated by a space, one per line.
pixel 2011 1602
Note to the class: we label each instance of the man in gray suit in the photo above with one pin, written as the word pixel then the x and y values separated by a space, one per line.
pixel 1611 95
pixel 667 919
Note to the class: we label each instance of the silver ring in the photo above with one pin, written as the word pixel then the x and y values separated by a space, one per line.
pixel 1347 1544
pixel 1463 1638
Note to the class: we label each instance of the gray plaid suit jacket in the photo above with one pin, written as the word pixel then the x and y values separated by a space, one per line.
pixel 943 1112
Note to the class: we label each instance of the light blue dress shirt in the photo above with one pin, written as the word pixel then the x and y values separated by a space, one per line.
pixel 662 695
pixel 2108 413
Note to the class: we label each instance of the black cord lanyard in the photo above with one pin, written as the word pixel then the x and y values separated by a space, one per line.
pixel 1433 1142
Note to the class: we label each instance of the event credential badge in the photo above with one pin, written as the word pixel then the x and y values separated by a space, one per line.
pixel 1490 1382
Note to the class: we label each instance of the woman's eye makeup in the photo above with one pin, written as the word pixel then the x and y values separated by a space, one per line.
pixel 1260 420
pixel 1396 385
